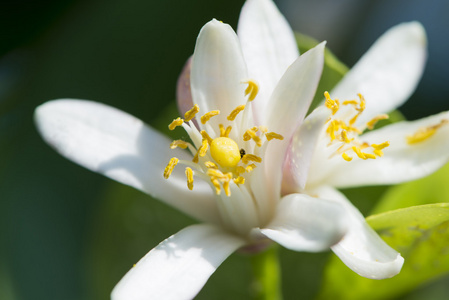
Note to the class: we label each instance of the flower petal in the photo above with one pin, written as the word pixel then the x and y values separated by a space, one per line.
pixel 218 70
pixel 179 266
pixel 388 73
pixel 287 108
pixel 401 161
pixel 268 45
pixel 361 249
pixel 304 223
pixel 301 150
pixel 111 142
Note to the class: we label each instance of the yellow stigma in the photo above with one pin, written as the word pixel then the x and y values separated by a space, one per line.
pixel 225 152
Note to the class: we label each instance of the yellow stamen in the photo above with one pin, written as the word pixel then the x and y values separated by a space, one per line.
pixel 251 157
pixel 344 136
pixel 176 122
pixel 378 148
pixel 369 155
pixel 274 135
pixel 239 180
pixel 249 133
pixel 352 102
pixel 224 132
pixel 216 184
pixel 331 104
pixel 235 112
pixel 250 167
pixel 203 148
pixel 252 90
pixel 206 136
pixel 206 117
pixel 362 102
pixel 179 143
pixel 169 168
pixel 370 125
pixel 263 129
pixel 189 115
pixel 210 165
pixel 358 152
pixel 189 175
pixel 195 158
pixel 346 157
pixel 423 134
pixel 215 173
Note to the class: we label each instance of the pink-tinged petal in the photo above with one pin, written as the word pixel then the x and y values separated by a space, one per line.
pixel 401 161
pixel 179 266
pixel 183 91
pixel 388 73
pixel 218 71
pixel 268 45
pixel 301 150
pixel 361 249
pixel 120 146
pixel 286 110
pixel 304 223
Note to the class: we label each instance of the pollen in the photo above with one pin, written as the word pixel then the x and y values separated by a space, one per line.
pixel 235 112
pixel 423 134
pixel 225 152
pixel 189 115
pixel 206 117
pixel 189 175
pixel 252 90
pixel 179 143
pixel 176 122
pixel 169 168
pixel 274 135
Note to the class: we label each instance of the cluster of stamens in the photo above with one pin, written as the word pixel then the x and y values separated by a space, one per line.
pixel 219 159
pixel 346 132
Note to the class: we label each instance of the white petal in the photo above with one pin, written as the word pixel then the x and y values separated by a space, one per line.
pixel 218 70
pixel 304 223
pixel 116 144
pixel 388 73
pixel 401 161
pixel 301 150
pixel 362 250
pixel 179 266
pixel 288 106
pixel 268 45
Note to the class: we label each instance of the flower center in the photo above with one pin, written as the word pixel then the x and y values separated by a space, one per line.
pixel 218 159
pixel 343 132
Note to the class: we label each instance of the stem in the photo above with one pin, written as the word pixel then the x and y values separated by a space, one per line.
pixel 267 275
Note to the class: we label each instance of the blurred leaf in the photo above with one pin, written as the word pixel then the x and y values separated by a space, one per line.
pixel 333 70
pixel 419 233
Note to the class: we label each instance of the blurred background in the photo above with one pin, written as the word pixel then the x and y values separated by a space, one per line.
pixel 67 233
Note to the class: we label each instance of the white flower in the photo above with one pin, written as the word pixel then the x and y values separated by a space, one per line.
pixel 231 180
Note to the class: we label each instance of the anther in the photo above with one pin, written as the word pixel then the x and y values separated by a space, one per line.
pixel 235 112
pixel 370 125
pixel 179 143
pixel 189 175
pixel 239 180
pixel 423 134
pixel 331 104
pixel 224 132
pixel 176 122
pixel 206 117
pixel 190 114
pixel 344 136
pixel 203 148
pixel 358 152
pixel 250 167
pixel 251 157
pixel 346 157
pixel 252 90
pixel 206 136
pixel 274 135
pixel 169 168
pixel 210 165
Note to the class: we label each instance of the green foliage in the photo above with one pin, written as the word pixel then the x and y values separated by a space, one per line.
pixel 333 70
pixel 420 233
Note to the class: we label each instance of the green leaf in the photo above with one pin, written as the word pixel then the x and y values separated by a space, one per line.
pixel 419 233
pixel 333 70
